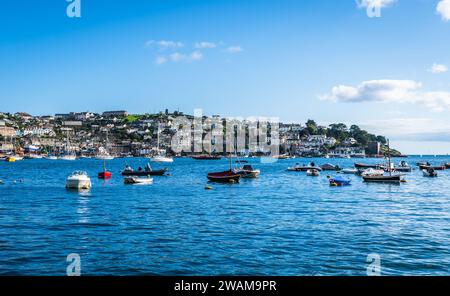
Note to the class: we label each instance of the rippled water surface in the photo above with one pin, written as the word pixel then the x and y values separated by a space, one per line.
pixel 283 223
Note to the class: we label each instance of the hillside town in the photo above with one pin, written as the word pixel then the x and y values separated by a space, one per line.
pixel 121 134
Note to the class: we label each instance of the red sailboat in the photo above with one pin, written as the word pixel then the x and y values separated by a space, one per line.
pixel 105 174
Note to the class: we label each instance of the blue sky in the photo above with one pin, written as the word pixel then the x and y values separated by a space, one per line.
pixel 295 60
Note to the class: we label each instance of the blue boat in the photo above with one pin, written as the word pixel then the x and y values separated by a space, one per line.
pixel 340 181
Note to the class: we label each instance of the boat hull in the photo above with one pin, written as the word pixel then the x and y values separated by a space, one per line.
pixel 138 181
pixel 436 168
pixel 145 173
pixel 382 179
pixel 206 157
pixel 224 177
pixel 105 175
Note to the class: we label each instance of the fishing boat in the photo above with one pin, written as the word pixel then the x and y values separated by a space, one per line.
pixel 430 173
pixel 78 180
pixel 330 167
pixel 391 178
pixel 340 181
pixel 403 167
pixel 436 168
pixel 105 174
pixel 138 181
pixel 350 171
pixel 148 171
pixel 313 173
pixel 229 176
pixel 247 171
pixel 367 166
pixel 206 157
pixel 304 168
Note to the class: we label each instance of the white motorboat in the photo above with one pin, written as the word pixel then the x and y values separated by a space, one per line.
pixel 51 157
pixel 247 171
pixel 78 180
pixel 313 173
pixel 138 181
pixel 104 157
pixel 350 171
pixel 162 158
pixel 68 157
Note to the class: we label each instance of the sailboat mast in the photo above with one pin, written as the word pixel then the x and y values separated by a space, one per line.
pixel 389 158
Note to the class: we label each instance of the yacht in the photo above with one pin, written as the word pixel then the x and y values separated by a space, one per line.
pixel 161 156
pixel 78 180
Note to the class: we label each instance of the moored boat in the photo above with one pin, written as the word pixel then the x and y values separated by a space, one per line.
pixel 206 157
pixel 247 171
pixel 340 181
pixel 313 173
pixel 138 181
pixel 372 172
pixel 224 177
pixel 330 167
pixel 350 171
pixel 78 180
pixel 447 165
pixel 383 178
pixel 304 168
pixel 436 168
pixel 148 171
pixel 70 157
pixel 105 174
pixel 403 167
pixel 374 177
pixel 367 166
pixel 162 158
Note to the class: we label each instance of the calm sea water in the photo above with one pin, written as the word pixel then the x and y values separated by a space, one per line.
pixel 283 223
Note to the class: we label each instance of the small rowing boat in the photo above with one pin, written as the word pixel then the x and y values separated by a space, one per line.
pixel 138 181
pixel 436 168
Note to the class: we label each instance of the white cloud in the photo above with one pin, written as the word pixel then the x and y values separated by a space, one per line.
pixel 180 57
pixel 205 45
pixel 164 44
pixel 234 49
pixel 374 3
pixel 443 8
pixel 160 60
pixel 438 68
pixel 389 91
